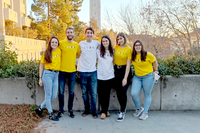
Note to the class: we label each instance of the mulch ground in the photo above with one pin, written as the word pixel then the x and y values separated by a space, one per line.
pixel 19 119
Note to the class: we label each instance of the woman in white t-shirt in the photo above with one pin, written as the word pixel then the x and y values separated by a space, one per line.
pixel 105 74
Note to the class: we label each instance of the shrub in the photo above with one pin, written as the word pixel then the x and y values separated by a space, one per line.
pixel 8 61
pixel 179 65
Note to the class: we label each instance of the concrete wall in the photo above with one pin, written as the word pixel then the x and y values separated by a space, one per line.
pixel 178 94
pixel 181 93
pixel 14 91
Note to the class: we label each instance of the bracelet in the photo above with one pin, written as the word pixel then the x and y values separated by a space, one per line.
pixel 156 72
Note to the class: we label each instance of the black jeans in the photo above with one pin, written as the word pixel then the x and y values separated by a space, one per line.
pixel 104 87
pixel 121 90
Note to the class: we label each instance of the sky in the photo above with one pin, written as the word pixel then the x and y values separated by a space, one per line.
pixel 111 5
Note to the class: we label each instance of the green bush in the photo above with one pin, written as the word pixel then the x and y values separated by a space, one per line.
pixel 179 65
pixel 10 68
pixel 30 69
pixel 8 61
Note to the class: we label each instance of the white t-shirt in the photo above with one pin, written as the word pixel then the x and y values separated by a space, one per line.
pixel 87 60
pixel 105 69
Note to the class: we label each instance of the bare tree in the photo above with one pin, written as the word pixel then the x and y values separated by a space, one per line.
pixel 140 25
pixel 179 19
pixel 163 25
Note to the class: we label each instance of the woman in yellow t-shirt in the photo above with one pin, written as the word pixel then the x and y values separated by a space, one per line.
pixel 48 76
pixel 123 75
pixel 144 78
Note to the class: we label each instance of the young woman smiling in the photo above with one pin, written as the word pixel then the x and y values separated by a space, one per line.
pixel 144 78
pixel 105 74
pixel 48 76
pixel 123 75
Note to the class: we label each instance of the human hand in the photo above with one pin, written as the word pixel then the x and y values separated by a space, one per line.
pixel 99 47
pixel 41 52
pixel 124 82
pixel 155 72
pixel 40 82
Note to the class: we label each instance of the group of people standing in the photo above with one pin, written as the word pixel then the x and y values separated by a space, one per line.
pixel 113 71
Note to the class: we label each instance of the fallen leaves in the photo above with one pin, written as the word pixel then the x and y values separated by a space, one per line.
pixel 19 118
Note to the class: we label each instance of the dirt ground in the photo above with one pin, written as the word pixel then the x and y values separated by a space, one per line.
pixel 19 119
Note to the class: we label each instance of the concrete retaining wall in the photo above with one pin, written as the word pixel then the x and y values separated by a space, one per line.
pixel 181 93
pixel 178 94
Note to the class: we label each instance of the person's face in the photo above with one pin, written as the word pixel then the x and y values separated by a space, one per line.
pixel 54 43
pixel 105 42
pixel 70 34
pixel 120 40
pixel 89 34
pixel 138 47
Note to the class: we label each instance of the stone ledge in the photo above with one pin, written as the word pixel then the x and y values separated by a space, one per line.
pixel 180 94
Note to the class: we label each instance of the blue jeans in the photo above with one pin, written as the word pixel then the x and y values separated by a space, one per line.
pixel 50 82
pixel 71 77
pixel 146 82
pixel 89 83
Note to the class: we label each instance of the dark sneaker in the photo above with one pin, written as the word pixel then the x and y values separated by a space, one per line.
pixel 60 114
pixel 120 112
pixel 38 111
pixel 85 113
pixel 94 115
pixel 121 116
pixel 71 114
pixel 53 117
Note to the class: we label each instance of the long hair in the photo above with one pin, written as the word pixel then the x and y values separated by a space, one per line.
pixel 143 52
pixel 103 50
pixel 48 52
pixel 122 35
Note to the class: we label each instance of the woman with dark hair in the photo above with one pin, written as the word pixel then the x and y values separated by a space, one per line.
pixel 105 74
pixel 123 75
pixel 48 76
pixel 144 78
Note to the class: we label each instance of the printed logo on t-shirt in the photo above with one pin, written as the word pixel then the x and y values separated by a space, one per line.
pixel 88 47
pixel 120 52
pixel 137 59
pixel 55 56
pixel 70 47
pixel 107 54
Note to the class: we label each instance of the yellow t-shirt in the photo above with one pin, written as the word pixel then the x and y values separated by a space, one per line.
pixel 68 55
pixel 143 68
pixel 121 55
pixel 56 58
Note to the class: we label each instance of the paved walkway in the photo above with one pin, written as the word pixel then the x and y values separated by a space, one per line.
pixel 158 122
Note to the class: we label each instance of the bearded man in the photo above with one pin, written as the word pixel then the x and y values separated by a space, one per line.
pixel 69 51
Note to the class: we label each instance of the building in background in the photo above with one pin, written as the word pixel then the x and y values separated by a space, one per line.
pixel 95 11
pixel 15 12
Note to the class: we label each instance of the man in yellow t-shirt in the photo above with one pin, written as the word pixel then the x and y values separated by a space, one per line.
pixel 69 50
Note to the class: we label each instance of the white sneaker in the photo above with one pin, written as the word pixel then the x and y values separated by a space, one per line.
pixel 143 116
pixel 120 112
pixel 138 112
pixel 121 116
